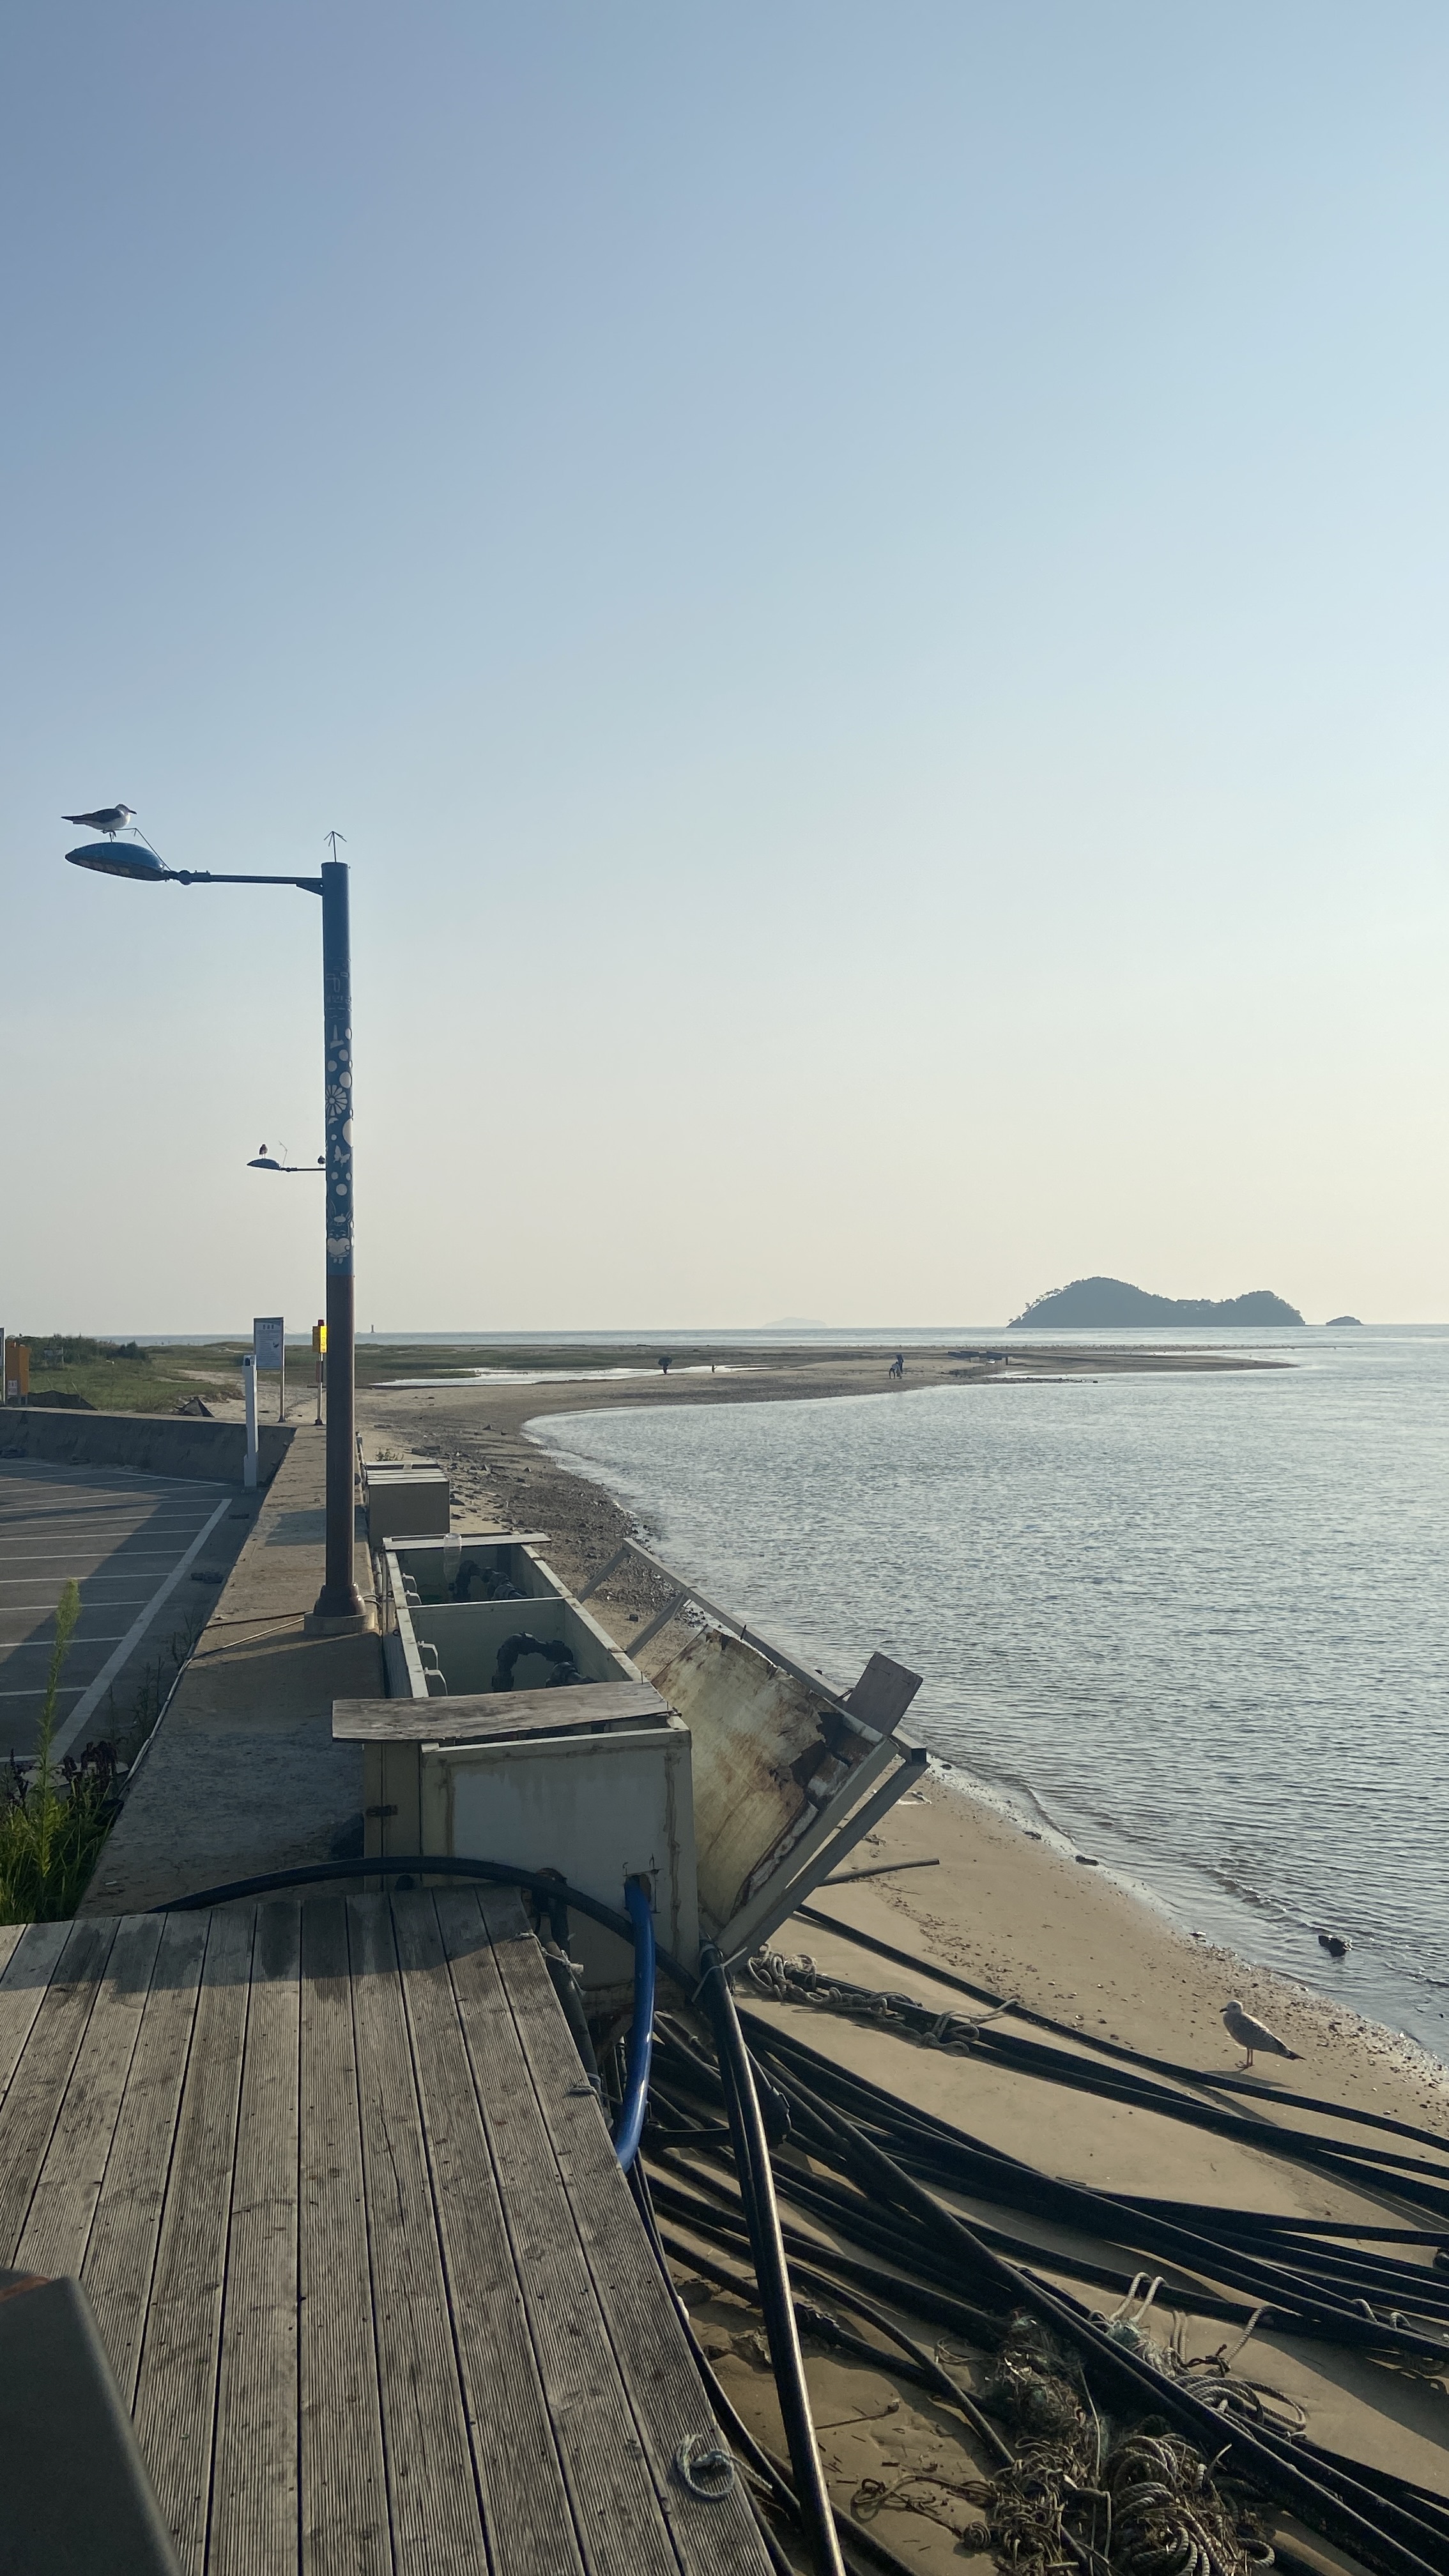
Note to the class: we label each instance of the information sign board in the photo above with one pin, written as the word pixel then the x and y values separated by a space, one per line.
pixel 267 1340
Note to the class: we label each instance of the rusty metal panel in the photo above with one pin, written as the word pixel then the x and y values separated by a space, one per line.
pixel 769 1753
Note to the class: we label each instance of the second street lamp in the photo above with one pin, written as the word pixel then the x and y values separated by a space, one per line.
pixel 339 1599
pixel 262 1161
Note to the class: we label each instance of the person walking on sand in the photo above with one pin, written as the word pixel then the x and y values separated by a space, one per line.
pixel 898 1365
pixel 664 1364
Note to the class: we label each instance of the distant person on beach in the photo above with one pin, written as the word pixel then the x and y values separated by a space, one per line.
pixel 664 1364
pixel 898 1365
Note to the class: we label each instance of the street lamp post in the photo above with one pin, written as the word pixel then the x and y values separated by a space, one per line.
pixel 339 1596
pixel 339 1600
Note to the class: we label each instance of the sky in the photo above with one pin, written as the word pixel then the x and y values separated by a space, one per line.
pixel 866 585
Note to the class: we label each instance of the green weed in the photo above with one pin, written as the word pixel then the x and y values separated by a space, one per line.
pixel 53 1817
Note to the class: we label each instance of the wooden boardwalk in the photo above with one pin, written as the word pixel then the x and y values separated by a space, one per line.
pixel 356 2242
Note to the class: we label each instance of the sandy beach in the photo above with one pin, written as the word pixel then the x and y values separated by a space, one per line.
pixel 1015 1914
pixel 1004 1908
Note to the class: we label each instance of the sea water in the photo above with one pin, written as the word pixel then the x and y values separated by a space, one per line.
pixel 1199 1622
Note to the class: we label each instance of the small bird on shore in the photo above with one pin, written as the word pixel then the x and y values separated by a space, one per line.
pixel 1335 1943
pixel 109 819
pixel 1251 2034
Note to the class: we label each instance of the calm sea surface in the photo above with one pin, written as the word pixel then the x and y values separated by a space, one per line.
pixel 1203 1620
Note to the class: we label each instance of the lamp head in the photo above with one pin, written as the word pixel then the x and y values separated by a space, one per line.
pixel 115 859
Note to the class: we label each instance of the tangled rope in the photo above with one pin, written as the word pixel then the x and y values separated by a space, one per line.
pixel 1168 2517
pixel 873 2494
pixel 1148 2507
pixel 1211 2376
pixel 800 1981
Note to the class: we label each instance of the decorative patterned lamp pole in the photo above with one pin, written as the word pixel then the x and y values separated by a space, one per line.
pixel 339 1597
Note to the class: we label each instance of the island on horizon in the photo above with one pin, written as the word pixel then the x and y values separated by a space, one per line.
pixel 1113 1305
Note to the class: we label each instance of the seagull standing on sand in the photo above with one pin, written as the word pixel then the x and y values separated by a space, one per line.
pixel 1251 2034
pixel 109 819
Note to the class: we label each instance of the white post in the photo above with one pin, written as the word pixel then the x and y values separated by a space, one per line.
pixel 249 1383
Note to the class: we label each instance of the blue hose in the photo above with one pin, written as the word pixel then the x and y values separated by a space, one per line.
pixel 629 2128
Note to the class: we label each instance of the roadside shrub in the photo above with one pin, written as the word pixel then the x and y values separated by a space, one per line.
pixel 54 1817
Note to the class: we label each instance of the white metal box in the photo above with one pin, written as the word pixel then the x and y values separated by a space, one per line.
pixel 599 1807
pixel 407 1502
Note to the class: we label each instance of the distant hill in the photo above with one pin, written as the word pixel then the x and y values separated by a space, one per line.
pixel 1111 1305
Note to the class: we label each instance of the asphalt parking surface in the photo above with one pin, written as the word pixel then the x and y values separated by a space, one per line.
pixel 140 1547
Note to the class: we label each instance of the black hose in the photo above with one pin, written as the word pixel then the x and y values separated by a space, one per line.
pixel 552 1650
pixel 1269 2463
pixel 498 1873
pixel 1389 2524
pixel 910 2361
pixel 1210 2081
pixel 1376 2501
pixel 766 2467
pixel 932 2151
pixel 752 2160
pixel 708 2218
pixel 1411 2177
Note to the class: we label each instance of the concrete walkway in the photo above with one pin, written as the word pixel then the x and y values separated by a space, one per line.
pixel 242 1774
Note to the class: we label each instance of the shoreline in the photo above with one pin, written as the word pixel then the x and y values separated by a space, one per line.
pixel 1005 1908
pixel 1017 1916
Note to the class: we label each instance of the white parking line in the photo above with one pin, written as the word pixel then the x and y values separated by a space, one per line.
pixel 65 1735
pixel 104 1521
pixel 42 1645
pixel 45 1600
pixel 65 1557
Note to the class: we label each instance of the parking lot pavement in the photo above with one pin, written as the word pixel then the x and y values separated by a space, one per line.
pixel 136 1545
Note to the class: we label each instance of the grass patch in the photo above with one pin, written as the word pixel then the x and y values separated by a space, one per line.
pixel 54 1817
pixel 124 1377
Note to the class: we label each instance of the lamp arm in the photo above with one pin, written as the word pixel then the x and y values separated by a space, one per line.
pixel 203 876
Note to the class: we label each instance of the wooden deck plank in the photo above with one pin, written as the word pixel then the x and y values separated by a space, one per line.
pixel 525 2501
pixel 254 2529
pixel 58 2226
pixel 9 1935
pixel 716 2537
pixel 176 2385
pixel 616 2509
pixel 23 1988
pixel 356 2241
pixel 432 2490
pixel 121 2250
pixel 470 1717
pixel 343 2477
pixel 37 2087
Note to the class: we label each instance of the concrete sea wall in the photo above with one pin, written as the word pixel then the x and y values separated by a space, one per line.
pixel 157 1444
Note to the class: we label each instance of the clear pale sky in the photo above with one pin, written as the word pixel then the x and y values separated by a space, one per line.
pixel 868 585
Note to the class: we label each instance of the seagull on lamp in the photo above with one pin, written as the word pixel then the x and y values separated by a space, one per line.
pixel 109 819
